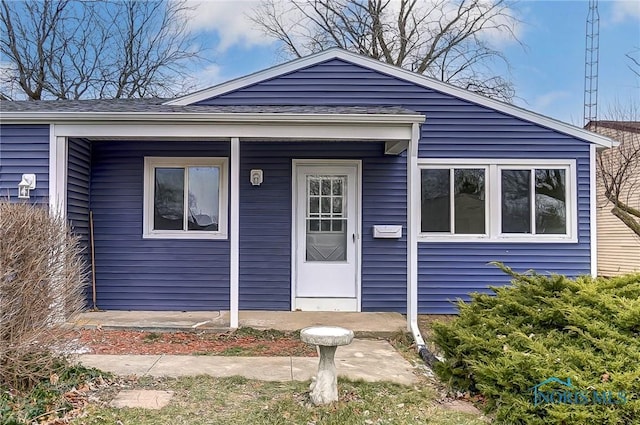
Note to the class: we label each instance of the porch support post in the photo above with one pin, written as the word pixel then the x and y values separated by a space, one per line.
pixel 57 173
pixel 234 233
pixel 413 225
pixel 57 208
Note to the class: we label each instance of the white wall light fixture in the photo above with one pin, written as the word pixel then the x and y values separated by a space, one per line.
pixel 27 184
pixel 256 177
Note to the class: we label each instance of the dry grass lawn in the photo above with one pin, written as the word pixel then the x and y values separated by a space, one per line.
pixel 205 400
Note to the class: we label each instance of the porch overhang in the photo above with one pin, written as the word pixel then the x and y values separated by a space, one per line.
pixel 398 131
pixel 395 134
pixel 393 128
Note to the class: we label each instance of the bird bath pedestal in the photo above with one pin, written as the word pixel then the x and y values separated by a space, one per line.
pixel 324 389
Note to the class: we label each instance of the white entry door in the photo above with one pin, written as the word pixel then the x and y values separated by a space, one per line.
pixel 326 239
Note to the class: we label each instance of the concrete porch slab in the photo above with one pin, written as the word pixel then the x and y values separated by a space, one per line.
pixel 364 325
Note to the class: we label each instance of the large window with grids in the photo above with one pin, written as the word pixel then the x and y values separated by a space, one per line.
pixel 185 198
pixel 499 200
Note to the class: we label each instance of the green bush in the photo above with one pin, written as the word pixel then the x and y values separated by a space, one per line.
pixel 586 330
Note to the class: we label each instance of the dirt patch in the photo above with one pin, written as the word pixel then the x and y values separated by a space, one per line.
pixel 239 343
pixel 426 320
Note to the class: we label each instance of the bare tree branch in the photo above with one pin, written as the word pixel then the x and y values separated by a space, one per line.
pixel 75 49
pixel 444 39
pixel 618 168
pixel 634 58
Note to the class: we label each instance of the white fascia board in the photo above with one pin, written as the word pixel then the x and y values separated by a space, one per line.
pixel 257 131
pixel 394 71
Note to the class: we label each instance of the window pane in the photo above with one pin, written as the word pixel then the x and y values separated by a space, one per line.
pixel 337 186
pixel 337 206
pixel 435 201
pixel 469 201
pixel 326 186
pixel 203 198
pixel 516 201
pixel 168 199
pixel 325 204
pixel 314 184
pixel 314 225
pixel 551 204
pixel 314 206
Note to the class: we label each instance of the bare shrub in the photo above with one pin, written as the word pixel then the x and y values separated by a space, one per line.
pixel 42 276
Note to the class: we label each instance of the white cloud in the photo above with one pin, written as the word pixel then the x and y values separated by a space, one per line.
pixel 8 82
pixel 229 20
pixel 626 9
pixel 544 101
pixel 208 76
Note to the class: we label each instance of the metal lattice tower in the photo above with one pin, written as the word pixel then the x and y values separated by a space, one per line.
pixel 591 63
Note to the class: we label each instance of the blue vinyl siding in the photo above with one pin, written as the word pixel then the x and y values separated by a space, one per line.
pixel 133 273
pixel 455 128
pixel 78 182
pixel 265 222
pixel 24 149
pixel 448 271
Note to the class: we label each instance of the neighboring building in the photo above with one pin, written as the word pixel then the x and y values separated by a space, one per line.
pixel 333 182
pixel 618 246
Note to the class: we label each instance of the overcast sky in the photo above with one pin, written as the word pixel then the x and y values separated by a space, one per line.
pixel 548 72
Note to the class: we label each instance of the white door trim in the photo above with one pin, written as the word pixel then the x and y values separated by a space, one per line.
pixel 295 163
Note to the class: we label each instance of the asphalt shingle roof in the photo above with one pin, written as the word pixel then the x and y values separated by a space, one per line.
pixel 632 126
pixel 156 106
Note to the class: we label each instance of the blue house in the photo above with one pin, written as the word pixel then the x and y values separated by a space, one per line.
pixel 332 182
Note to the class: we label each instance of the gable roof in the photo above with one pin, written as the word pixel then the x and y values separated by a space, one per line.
pixel 403 74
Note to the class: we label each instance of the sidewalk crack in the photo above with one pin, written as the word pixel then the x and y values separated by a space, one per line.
pixel 291 366
pixel 153 365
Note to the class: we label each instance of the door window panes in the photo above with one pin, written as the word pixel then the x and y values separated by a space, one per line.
pixel 326 218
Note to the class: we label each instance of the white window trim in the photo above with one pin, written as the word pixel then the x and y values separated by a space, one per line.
pixel 451 234
pixel 150 163
pixel 493 210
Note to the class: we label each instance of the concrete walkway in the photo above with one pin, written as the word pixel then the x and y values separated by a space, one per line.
pixel 369 360
pixel 376 325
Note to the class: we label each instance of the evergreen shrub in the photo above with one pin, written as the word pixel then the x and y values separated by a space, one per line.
pixel 586 330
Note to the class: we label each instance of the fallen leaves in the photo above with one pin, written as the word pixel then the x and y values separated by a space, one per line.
pixel 188 343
